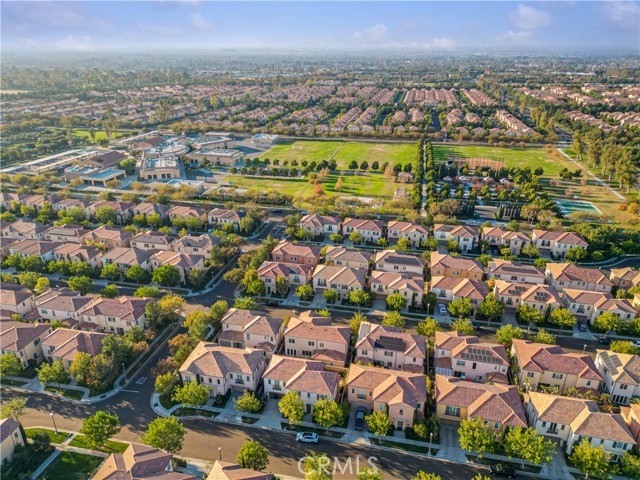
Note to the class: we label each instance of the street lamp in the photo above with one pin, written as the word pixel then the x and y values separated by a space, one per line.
pixel 55 427
pixel 584 347
pixel 220 453
pixel 430 440
pixel 124 370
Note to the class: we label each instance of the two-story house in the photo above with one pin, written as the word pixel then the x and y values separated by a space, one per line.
pixel 397 262
pixel 183 262
pixel 448 289
pixel 42 249
pixel 557 243
pixel 63 305
pixel 543 298
pixel 16 299
pixel 371 230
pixel 621 375
pixel 222 217
pixel 466 235
pixel 295 274
pixel 568 275
pixel 301 253
pixel 115 315
pixel 442 265
pixel 515 272
pixel 310 335
pixel 347 257
pixel 414 232
pixel 184 213
pixel 410 285
pixel 319 225
pixel 151 241
pixel 497 237
pixel 74 252
pixel 196 244
pixel 126 257
pixel 24 340
pixel 390 347
pixel 250 329
pixel 108 237
pixel 65 233
pixel 341 279
pixel 64 344
pixel 141 461
pixel 624 278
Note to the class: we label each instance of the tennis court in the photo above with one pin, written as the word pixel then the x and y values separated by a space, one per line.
pixel 567 207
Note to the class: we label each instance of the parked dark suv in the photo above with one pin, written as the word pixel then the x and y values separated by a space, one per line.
pixel 502 470
pixel 360 418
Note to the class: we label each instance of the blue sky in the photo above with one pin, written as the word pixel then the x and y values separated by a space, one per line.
pixel 410 26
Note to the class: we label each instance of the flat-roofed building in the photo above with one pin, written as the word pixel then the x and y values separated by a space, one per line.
pixel 162 167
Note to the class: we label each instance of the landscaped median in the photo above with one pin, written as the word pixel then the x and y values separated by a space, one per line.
pixel 74 465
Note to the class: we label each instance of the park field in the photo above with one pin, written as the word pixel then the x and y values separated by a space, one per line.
pixel 511 156
pixel 342 152
pixel 362 185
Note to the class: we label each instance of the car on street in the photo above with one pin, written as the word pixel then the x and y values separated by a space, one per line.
pixel 476 325
pixel 604 341
pixel 502 470
pixel 442 309
pixel 637 342
pixel 307 437
pixel 582 326
pixel 359 425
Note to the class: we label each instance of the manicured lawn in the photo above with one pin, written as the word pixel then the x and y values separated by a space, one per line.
pixel 65 392
pixel 111 446
pixel 72 466
pixel 53 436
pixel 511 156
pixel 342 152
pixel 189 412
pixel 8 472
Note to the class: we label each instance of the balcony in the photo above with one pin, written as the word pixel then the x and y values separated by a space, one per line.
pixel 277 388
pixel 239 381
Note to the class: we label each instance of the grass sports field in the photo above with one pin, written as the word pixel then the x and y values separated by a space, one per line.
pixel 511 156
pixel 342 152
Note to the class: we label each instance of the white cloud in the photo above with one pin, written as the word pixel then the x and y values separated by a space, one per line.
pixel 443 44
pixel 374 34
pixel 622 14
pixel 513 38
pixel 199 22
pixel 168 30
pixel 73 43
pixel 528 18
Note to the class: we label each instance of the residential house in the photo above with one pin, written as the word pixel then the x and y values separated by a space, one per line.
pixel 222 217
pixel 466 235
pixel 390 347
pixel 557 244
pixel 24 340
pixel 10 438
pixel 319 225
pixel 396 262
pixel 497 404
pixel 182 212
pixel 16 299
pixel 631 416
pixel 448 289
pixel 140 462
pixel 23 229
pixel 294 273
pixel 122 210
pixel 581 302
pixel 249 329
pixel 42 249
pixel 196 244
pixel 409 285
pixel 621 375
pixel 543 298
pixel 73 252
pixel 63 305
pixel 371 230
pixel 401 394
pixel 151 241
pixel 497 237
pixel 64 344
pixel 414 232
pixel 573 420
pixel 5 244
pixel 568 275
pixel 108 159
pixel 541 365
pixel 341 279
pixel 125 258
pixel 624 278
pixel 224 368
pixel 65 233
pixel 442 265
pixel 148 209
pixel 620 307
pixel 183 262
pixel 233 471
pixel 306 377
pixel 464 356
pixel 108 237
pixel 310 335
pixel 303 254
pixel 515 272
pixel 347 257
pixel 115 315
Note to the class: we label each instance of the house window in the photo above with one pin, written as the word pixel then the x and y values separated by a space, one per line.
pixel 452 411
pixel 530 374
pixel 401 412
pixel 311 343
pixel 460 363
pixel 292 340
pixel 620 445
pixel 496 425
pixel 557 376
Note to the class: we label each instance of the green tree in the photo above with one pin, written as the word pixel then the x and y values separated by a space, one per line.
pixel 106 215
pixel 371 473
pixel 80 367
pixel 541 263
pixel 248 402
pixel 527 314
pixel 631 465
pixel 545 337
pixel 110 291
pixel 530 251
pixel 378 423
pixel 29 279
pixel 245 303
pixel 461 308
pixel 528 445
pixel 117 347
pixel 359 298
pixel 282 286
pixel 491 308
pixel 41 442
pixel 253 455
pixel 453 246
pixel 192 394
pixel 327 413
pixel 10 365
pixel 13 408
pixel 317 467
pixel 137 274
pixel 403 245
pixel 100 427
pixel 393 319
pixel 82 284
pixel 396 301
pixel 197 324
pixel 42 285
pixel 54 373
pixel 291 407
pixel 576 254
pixel 563 317
pixel 111 272
pixel 304 292
pixel 475 436
pixel 607 322
pixel 356 237
pixel 330 295
pixel 590 460
pixel 507 333
pixel 428 327
pixel 165 383
pixel 218 310
pixel 463 326
pixel 166 434
pixel 426 476
pixel 355 323
pixel 166 275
